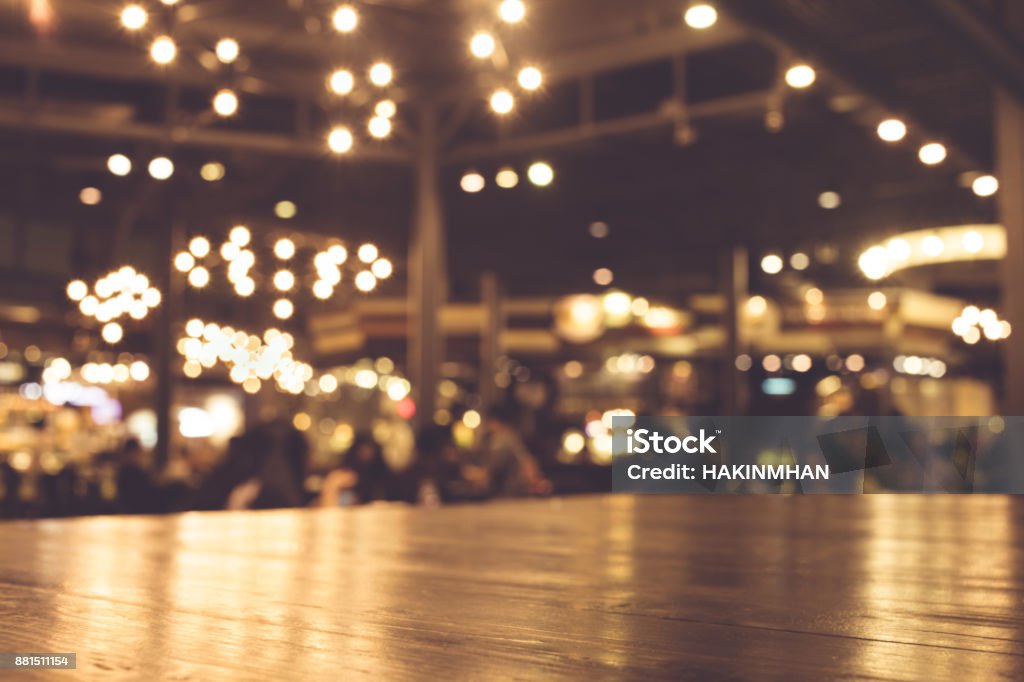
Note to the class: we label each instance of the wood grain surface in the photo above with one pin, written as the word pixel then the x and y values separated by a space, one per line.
pixel 606 587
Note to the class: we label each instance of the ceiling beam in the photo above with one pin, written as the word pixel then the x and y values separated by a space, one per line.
pixel 780 30
pixel 23 118
pixel 590 132
pixel 1002 56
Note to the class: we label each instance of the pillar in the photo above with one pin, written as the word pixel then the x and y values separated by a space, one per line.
pixel 427 282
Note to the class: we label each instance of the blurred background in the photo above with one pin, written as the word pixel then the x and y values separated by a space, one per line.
pixel 301 252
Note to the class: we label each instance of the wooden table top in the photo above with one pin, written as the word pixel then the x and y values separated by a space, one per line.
pixel 866 587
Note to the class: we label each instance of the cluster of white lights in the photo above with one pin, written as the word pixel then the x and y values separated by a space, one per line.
pixel 630 364
pixel 163 50
pixel 918 366
pixel 159 168
pixel 240 258
pixel 59 370
pixel 931 247
pixel 249 359
pixel 367 375
pixel 484 45
pixel 974 323
pixel 773 263
pixel 119 293
pixel 540 174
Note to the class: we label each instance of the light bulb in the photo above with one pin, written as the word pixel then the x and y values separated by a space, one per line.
pixel 345 19
pixel 161 168
pixel 379 127
pixel 386 108
pixel 800 76
pixel 119 165
pixel 502 101
pixel 541 174
pixel 700 16
pixel 342 82
pixel 381 74
pixel 163 50
pixel 283 309
pixel 892 130
pixel 225 103
pixel 134 17
pixel 482 45
pixel 227 50
pixel 530 78
pixel 340 140
pixel 512 11
pixel 284 249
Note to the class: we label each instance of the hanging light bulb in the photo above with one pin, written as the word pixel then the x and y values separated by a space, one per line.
pixel 800 76
pixel 340 140
pixel 502 102
pixel 199 277
pixel 379 127
pixel 163 50
pixel 512 11
pixel 482 45
pixel 119 165
pixel 284 249
pixel 892 130
pixel 283 309
pixel 199 247
pixel 227 50
pixel 342 82
pixel 386 108
pixel 345 19
pixel 284 280
pixel 161 168
pixel 700 16
pixel 381 74
pixel 368 253
pixel 225 103
pixel 530 78
pixel 365 281
pixel 134 17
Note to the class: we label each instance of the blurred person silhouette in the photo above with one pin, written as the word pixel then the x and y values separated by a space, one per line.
pixel 437 475
pixel 362 477
pixel 505 468
pixel 264 468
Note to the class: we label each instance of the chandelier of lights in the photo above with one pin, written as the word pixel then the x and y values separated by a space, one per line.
pixel 120 293
pixel 295 265
pixel 345 88
pixel 249 359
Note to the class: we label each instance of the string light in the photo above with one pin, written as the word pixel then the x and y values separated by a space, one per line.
pixel 932 154
pixel 502 101
pixel 134 17
pixel 163 50
pixel 530 78
pixel 365 281
pixel 482 45
pixel 472 182
pixel 225 103
pixel 199 247
pixel 240 235
pixel 512 11
pixel 382 268
pixel 368 253
pixel 284 249
pixel 283 309
pixel 340 140
pixel 386 108
pixel 800 76
pixel 227 50
pixel 212 171
pixel 90 196
pixel 381 74
pixel 603 277
pixel 506 178
pixel 700 16
pixel 112 332
pixel 772 264
pixel 541 174
pixel 199 277
pixel 284 280
pixel 161 168
pixel 342 82
pixel 892 130
pixel 985 186
pixel 285 210
pixel 379 127
pixel 119 164
pixel 184 262
pixel 345 19
pixel 77 290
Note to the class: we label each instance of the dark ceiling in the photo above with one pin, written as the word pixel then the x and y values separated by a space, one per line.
pixel 80 88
